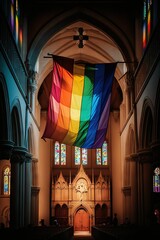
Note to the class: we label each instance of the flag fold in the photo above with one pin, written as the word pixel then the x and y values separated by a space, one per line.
pixel 79 103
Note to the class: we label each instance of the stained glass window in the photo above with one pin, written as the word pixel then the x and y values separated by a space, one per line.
pixel 77 155
pixel 63 154
pixel 59 154
pixel 147 7
pixel 6 181
pixel 80 156
pixel 98 156
pixel 156 180
pixel 16 22
pixel 102 155
pixel 84 156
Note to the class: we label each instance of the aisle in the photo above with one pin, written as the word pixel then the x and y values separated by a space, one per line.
pixel 83 236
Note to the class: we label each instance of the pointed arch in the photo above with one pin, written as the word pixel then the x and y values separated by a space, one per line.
pixel 6 180
pixel 130 149
pixel 6 216
pixel 64 214
pixel 157 114
pixel 146 124
pixel 104 212
pixel 81 219
pixel 30 140
pixel 98 214
pixel 84 15
pixel 4 110
pixel 131 141
pixel 17 130
pixel 58 212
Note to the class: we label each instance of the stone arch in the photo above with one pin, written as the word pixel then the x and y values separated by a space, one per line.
pixel 131 140
pixel 129 175
pixel 4 110
pixel 98 214
pixel 81 219
pixel 130 149
pixel 145 156
pixel 58 211
pixel 84 205
pixel 31 140
pixel 6 216
pixel 85 15
pixel 146 125
pixel 157 114
pixel 104 212
pixel 64 214
pixel 17 129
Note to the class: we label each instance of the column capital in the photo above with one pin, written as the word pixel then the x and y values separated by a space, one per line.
pixel 28 157
pixel 6 148
pixel 145 156
pixel 19 155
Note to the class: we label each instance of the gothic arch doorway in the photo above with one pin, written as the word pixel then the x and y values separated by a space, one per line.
pixel 81 220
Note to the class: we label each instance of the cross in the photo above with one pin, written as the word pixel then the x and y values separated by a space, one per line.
pixel 80 37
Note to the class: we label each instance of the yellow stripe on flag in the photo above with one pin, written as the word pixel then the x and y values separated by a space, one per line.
pixel 75 111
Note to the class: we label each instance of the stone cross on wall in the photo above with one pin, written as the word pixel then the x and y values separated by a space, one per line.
pixel 80 37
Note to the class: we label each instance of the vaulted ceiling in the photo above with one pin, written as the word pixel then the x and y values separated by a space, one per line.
pixel 53 28
pixel 97 49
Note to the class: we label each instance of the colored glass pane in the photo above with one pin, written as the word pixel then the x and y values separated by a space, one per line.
pixel 147 4
pixel 12 17
pixel 104 154
pixel 63 154
pixel 98 156
pixel 56 153
pixel 16 22
pixel 77 156
pixel 156 180
pixel 84 156
pixel 6 181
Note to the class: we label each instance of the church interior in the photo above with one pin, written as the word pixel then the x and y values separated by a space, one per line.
pixel 43 180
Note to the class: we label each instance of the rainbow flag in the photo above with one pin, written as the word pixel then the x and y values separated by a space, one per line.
pixel 79 103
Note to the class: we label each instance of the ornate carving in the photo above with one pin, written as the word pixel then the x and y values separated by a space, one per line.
pixel 32 82
pixel 81 186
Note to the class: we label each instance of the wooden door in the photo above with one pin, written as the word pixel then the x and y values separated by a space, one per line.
pixel 81 221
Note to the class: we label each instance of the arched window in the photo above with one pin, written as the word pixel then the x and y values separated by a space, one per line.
pixel 81 155
pixel 15 22
pixel 156 180
pixel 59 153
pixel 6 181
pixel 147 12
pixel 102 155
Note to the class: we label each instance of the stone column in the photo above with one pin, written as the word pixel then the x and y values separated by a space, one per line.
pixel 34 193
pixel 17 196
pixel 28 182
pixel 35 205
